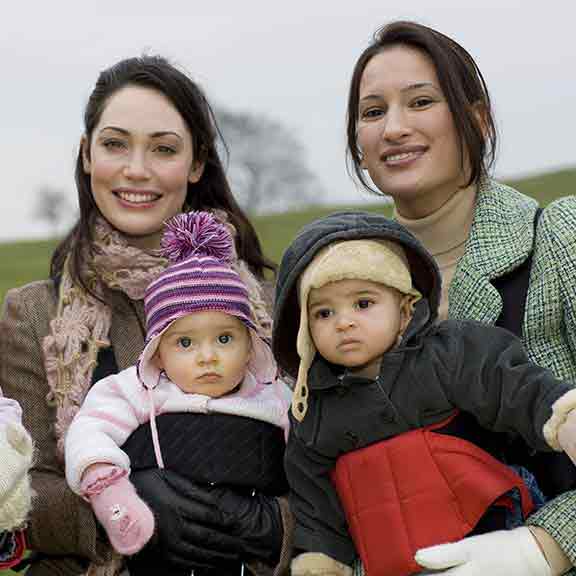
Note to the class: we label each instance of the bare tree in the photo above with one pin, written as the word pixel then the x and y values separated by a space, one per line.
pixel 51 207
pixel 267 163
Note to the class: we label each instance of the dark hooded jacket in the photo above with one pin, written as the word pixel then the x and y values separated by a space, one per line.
pixel 480 372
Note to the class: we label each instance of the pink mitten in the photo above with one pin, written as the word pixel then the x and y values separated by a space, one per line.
pixel 126 518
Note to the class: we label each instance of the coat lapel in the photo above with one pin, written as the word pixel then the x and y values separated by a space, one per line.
pixel 126 331
pixel 500 240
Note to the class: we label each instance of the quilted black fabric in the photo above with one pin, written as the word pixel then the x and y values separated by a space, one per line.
pixel 220 449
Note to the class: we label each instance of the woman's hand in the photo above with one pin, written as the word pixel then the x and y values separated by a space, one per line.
pixel 567 435
pixel 502 553
pixel 203 526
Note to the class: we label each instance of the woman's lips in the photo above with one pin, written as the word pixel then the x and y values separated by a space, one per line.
pixel 136 197
pixel 402 156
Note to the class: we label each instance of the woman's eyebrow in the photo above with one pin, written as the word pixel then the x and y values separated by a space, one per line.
pixel 161 133
pixel 418 85
pixel 115 129
pixel 408 88
pixel 157 134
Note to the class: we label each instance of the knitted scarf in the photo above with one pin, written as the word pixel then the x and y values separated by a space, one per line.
pixel 82 322
pixel 81 328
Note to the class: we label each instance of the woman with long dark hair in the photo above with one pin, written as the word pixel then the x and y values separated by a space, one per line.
pixel 421 131
pixel 148 152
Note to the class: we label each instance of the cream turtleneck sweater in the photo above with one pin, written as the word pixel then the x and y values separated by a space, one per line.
pixel 444 233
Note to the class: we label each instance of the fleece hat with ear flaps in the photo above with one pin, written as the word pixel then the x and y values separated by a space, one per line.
pixel 201 276
pixel 381 261
pixel 322 253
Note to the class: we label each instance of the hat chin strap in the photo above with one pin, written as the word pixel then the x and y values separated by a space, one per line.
pixel 153 428
pixel 300 397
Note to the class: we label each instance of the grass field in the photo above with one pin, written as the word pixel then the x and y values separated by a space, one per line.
pixel 23 262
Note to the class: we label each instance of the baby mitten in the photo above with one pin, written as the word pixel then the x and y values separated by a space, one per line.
pixel 126 518
pixel 318 564
pixel 15 492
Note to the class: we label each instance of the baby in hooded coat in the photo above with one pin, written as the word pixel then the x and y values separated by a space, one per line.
pixel 398 421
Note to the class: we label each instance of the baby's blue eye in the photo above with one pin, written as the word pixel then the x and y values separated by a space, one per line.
pixel 323 313
pixel 364 303
pixel 224 338
pixel 185 342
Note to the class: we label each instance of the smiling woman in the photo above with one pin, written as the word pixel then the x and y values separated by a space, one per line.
pixel 147 153
pixel 420 129
pixel 140 161
pixel 400 95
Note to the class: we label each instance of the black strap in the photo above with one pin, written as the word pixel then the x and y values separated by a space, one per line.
pixel 513 289
pixel 554 471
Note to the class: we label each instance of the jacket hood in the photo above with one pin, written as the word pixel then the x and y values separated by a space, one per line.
pixel 347 225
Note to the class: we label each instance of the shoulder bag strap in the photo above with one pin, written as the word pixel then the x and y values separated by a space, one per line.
pixel 513 289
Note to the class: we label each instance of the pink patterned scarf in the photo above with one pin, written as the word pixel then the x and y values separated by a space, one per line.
pixel 82 323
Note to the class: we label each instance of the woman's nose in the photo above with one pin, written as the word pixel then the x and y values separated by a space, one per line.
pixel 136 167
pixel 396 124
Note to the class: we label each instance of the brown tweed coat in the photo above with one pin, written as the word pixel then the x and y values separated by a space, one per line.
pixel 61 524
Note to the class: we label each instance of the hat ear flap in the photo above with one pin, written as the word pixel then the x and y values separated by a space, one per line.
pixel 300 396
pixel 407 304
pixel 306 350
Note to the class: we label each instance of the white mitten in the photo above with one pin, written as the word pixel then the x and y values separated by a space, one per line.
pixel 501 553
pixel 318 564
pixel 15 492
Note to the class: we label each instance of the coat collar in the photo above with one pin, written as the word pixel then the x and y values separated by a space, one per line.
pixel 501 238
pixel 127 328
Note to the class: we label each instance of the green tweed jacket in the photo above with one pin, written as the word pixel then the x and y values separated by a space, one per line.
pixel 501 238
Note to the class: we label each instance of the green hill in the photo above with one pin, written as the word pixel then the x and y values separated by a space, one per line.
pixel 549 186
pixel 25 261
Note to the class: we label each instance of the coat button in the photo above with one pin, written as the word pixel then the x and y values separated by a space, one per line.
pixel 351 437
pixel 387 418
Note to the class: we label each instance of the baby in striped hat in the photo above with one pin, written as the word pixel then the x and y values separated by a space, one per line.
pixel 203 394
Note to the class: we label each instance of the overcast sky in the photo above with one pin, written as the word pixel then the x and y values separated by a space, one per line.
pixel 289 60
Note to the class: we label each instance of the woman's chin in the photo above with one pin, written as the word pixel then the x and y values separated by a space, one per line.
pixel 145 237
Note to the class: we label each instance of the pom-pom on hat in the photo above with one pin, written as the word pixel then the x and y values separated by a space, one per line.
pixel 199 277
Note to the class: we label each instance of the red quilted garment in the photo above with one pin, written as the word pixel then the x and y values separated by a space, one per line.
pixel 415 490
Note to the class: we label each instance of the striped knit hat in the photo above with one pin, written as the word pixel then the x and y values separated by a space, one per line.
pixel 199 277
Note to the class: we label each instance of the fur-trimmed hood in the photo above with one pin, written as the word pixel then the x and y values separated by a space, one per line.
pixel 348 225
